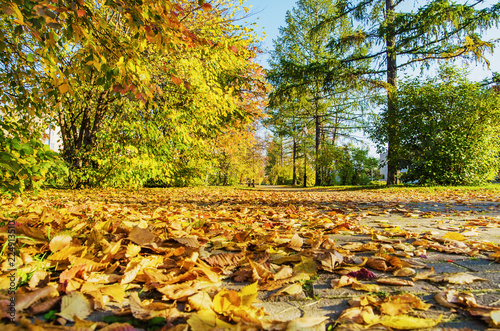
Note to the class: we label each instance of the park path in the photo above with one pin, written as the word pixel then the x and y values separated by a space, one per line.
pixel 172 244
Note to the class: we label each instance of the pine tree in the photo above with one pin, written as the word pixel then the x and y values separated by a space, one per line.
pixel 298 51
pixel 398 38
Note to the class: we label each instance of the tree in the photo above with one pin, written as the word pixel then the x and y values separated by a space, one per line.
pixel 437 30
pixel 136 90
pixel 451 134
pixel 302 98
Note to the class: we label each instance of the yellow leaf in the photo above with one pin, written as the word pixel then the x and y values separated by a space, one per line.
pixel 495 317
pixel 343 281
pixel 75 305
pixel 206 320
pixel 60 242
pixel 18 13
pixel 132 250
pixel 306 265
pixel 403 322
pixel 64 88
pixel 365 287
pixel 248 294
pixel 117 292
pixel 200 301
pixel 454 236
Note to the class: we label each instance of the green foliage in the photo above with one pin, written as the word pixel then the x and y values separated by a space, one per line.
pixel 353 166
pixel 399 34
pixel 25 162
pixel 140 95
pixel 450 134
pixel 304 97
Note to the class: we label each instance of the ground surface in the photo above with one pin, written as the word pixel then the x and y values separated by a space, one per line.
pixel 273 258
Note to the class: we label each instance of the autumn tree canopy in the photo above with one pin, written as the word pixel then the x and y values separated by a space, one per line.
pixel 136 89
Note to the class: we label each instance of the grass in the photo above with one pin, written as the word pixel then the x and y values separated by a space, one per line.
pixel 487 188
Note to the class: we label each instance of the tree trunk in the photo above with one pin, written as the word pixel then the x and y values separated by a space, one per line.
pixel 317 181
pixel 294 157
pixel 392 105
pixel 281 151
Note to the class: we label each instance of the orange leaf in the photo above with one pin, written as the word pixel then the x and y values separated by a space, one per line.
pixel 176 80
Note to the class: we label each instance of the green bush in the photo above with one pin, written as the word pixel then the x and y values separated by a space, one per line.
pixel 25 162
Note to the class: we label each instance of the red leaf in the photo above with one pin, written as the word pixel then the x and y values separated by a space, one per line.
pixel 81 12
pixel 117 88
pixel 362 274
pixel 206 6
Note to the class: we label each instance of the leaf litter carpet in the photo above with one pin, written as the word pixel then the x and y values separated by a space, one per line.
pixel 261 259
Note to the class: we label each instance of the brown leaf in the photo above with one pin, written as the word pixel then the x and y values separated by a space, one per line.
pixel 189 241
pixel 141 236
pixel 296 243
pixel 424 274
pixel 180 291
pixel 40 278
pixel 307 323
pixel 404 272
pixel 330 260
pixel 395 281
pixel 147 310
pixel 377 264
pixel 26 300
pixel 224 260
pixel 45 306
pixel 454 299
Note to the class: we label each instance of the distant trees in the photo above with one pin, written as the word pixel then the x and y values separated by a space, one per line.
pixel 368 42
pixel 302 100
pixel 450 133
pixel 397 34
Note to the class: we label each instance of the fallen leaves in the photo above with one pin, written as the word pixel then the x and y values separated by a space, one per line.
pixel 75 305
pixel 178 255
pixel 456 278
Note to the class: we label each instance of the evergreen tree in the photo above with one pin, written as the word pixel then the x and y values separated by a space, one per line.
pixel 397 38
pixel 316 105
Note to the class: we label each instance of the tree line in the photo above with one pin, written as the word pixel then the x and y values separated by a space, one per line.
pixel 334 71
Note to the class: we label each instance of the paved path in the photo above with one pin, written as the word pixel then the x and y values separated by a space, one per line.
pixel 434 217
